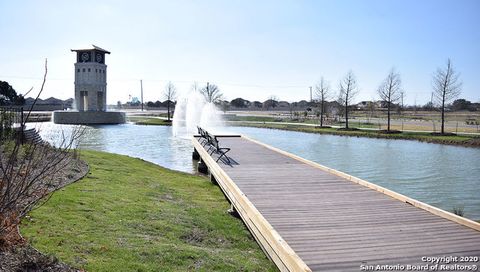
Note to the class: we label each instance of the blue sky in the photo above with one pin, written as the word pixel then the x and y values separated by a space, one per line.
pixel 250 49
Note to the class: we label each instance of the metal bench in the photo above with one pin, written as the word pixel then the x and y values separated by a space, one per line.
pixel 215 148
pixel 203 136
pixel 207 138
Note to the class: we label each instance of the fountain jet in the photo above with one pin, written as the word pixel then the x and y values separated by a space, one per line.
pixel 193 110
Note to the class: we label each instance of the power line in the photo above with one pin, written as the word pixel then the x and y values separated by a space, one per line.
pixel 233 84
pixel 34 78
pixel 177 81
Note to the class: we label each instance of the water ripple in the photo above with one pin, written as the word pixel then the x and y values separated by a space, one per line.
pixel 443 176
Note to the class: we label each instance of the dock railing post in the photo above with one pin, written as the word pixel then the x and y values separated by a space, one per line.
pixel 195 155
pixel 202 167
pixel 212 179
pixel 233 212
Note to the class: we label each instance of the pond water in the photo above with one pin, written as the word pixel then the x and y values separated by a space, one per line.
pixel 440 175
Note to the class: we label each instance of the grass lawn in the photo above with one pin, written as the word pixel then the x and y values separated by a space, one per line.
pixel 131 215
pixel 254 118
pixel 149 121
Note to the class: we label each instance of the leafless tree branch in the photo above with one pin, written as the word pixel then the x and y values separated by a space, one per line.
pixel 348 90
pixel 390 91
pixel 170 94
pixel 27 175
pixel 212 93
pixel 446 87
pixel 39 93
pixel 322 92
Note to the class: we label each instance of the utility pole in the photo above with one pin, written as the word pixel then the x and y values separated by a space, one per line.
pixel 311 99
pixel 141 92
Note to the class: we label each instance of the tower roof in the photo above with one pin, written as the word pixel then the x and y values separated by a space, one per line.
pixel 94 48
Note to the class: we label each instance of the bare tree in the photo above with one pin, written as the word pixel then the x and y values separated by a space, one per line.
pixel 390 91
pixel 291 107
pixel 212 93
pixel 271 102
pixel 348 91
pixel 224 105
pixel 371 107
pixel 402 99
pixel 28 173
pixel 170 94
pixel 446 87
pixel 322 90
pixel 194 86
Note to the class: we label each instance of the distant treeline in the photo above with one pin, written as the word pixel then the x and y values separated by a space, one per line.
pixel 275 104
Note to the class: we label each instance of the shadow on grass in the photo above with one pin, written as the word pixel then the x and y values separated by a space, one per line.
pixel 348 129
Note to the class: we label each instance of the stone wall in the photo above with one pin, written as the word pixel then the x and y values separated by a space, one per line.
pixel 88 117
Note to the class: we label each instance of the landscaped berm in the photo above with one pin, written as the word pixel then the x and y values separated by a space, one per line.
pixel 131 215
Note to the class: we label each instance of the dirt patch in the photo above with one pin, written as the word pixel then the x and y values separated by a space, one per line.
pixel 26 258
pixel 473 142
pixel 29 259
pixel 195 237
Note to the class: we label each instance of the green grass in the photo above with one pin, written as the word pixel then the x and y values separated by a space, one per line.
pixel 149 121
pixel 131 215
pixel 356 124
pixel 255 118
pixel 419 136
pixel 299 120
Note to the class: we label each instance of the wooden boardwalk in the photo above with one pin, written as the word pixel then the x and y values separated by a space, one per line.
pixel 307 217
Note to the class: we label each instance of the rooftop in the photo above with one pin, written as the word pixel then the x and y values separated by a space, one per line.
pixel 94 48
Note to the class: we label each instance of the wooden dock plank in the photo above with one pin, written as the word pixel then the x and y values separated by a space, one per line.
pixel 332 221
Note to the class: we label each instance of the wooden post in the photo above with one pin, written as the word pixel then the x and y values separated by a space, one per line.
pixel 195 155
pixel 202 167
pixel 212 179
pixel 233 212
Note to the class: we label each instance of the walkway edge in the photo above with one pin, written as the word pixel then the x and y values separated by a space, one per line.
pixel 267 237
pixel 424 206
